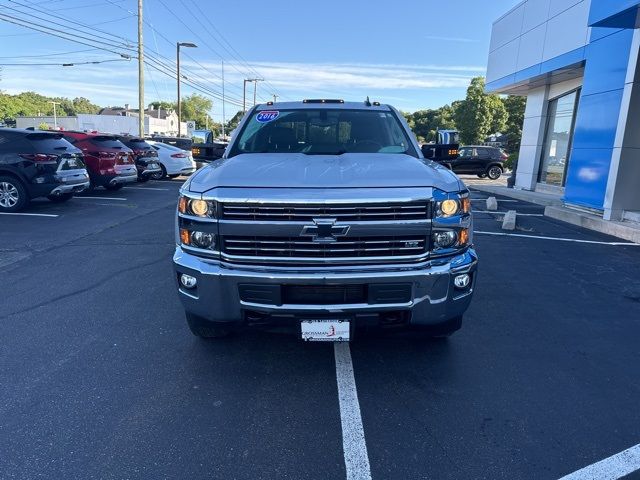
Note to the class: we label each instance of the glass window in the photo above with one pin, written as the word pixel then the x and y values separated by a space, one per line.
pixel 558 137
pixel 323 132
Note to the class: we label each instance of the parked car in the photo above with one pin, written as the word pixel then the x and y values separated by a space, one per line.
pixel 480 160
pixel 145 156
pixel 110 163
pixel 180 142
pixel 324 217
pixel 38 164
pixel 173 161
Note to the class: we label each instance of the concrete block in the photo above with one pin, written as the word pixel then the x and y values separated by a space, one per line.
pixel 509 221
pixel 492 204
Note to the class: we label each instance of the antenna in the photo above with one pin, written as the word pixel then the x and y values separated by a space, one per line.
pixel 367 102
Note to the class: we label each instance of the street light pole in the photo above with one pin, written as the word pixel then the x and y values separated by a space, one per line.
pixel 178 45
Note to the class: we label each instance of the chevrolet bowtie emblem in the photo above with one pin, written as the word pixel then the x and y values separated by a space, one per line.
pixel 324 230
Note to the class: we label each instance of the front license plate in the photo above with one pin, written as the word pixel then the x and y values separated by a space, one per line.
pixel 325 330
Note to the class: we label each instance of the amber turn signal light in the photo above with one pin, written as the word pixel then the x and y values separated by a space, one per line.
pixel 182 205
pixel 185 238
pixel 463 237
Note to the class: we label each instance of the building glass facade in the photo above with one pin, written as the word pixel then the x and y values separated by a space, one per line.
pixel 559 134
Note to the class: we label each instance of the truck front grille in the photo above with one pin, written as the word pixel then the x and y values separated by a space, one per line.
pixel 343 247
pixel 344 212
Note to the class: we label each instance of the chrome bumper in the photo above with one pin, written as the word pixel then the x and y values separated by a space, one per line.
pixel 72 188
pixel 122 179
pixel 434 298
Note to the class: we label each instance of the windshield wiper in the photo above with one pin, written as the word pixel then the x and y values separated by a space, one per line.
pixel 339 152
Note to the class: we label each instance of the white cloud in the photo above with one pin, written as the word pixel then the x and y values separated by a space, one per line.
pixel 312 76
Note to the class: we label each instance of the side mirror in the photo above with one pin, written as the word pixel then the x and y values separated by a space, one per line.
pixel 428 151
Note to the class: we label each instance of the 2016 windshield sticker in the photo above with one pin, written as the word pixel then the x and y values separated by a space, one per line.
pixel 267 116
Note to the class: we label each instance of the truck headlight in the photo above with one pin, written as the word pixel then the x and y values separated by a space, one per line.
pixel 451 239
pixel 445 239
pixel 198 239
pixel 454 206
pixel 197 207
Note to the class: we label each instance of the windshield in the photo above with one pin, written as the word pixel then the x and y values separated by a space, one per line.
pixel 323 132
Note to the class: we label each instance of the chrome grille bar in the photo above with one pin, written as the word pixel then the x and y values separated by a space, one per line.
pixel 374 212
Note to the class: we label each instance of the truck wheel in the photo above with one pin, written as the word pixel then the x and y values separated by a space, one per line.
pixel 65 197
pixel 114 187
pixel 13 195
pixel 482 175
pixel 494 172
pixel 204 329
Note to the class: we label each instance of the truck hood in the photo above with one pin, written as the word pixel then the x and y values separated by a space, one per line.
pixel 297 170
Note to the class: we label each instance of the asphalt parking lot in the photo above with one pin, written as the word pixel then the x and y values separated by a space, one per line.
pixel 101 379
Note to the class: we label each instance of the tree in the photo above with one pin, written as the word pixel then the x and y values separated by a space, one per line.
pixel 196 107
pixel 515 107
pixel 424 123
pixel 233 123
pixel 479 114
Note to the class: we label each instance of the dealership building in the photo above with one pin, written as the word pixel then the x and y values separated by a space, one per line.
pixel 577 63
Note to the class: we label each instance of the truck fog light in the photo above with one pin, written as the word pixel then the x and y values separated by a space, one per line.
pixel 188 281
pixel 462 281
pixel 444 239
pixel 202 239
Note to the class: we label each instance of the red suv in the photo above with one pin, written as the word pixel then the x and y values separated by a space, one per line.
pixel 109 162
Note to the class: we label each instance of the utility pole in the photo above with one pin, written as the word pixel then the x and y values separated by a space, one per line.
pixel 178 45
pixel 55 117
pixel 255 88
pixel 244 91
pixel 223 135
pixel 140 73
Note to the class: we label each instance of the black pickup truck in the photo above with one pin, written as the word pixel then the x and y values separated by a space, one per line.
pixel 209 151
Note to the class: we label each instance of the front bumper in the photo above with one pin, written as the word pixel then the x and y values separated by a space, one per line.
pixel 433 300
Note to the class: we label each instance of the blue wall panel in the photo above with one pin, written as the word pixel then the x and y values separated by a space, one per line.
pixel 603 10
pixel 598 113
pixel 587 178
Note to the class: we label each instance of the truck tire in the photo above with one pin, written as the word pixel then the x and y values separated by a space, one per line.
pixel 13 194
pixel 114 187
pixel 204 329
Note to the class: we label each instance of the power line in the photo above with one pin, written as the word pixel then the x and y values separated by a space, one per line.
pixel 237 56
pixel 24 23
pixel 204 42
pixel 68 64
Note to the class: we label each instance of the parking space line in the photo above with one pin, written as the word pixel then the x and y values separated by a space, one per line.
pixel 30 214
pixel 356 458
pixel 557 239
pixel 148 188
pixel 101 198
pixel 504 213
pixel 617 466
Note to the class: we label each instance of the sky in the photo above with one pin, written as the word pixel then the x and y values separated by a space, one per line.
pixel 413 54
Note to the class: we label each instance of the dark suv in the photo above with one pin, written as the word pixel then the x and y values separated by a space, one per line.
pixel 480 160
pixel 109 162
pixel 145 156
pixel 38 164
